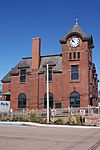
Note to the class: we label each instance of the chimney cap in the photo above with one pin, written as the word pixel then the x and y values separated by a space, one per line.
pixel 36 38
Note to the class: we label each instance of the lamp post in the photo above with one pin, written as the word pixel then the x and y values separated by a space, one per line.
pixel 47 95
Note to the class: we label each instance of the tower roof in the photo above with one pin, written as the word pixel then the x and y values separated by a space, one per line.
pixel 77 29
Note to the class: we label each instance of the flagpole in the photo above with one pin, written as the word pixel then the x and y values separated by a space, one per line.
pixel 47 95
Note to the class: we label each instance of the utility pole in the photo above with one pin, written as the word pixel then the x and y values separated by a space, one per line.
pixel 47 95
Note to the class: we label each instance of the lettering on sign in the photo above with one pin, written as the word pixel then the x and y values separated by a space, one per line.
pixel 4 106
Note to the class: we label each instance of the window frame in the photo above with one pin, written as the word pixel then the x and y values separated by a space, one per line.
pixel 78 55
pixel 23 75
pixel 51 100
pixel 49 75
pixel 74 56
pixel 21 101
pixel 74 72
pixel 74 99
pixel 58 104
pixel 70 55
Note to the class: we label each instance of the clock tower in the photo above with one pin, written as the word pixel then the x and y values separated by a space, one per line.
pixel 77 68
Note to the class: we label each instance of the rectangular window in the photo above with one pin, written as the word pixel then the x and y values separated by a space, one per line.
pixel 70 55
pixel 7 97
pixel 58 105
pixel 23 75
pixel 49 75
pixel 78 55
pixel 74 72
pixel 74 55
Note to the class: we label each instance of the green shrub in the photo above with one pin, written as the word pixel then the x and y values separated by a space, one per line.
pixel 59 121
pixel 41 120
pixel 78 122
pixel 69 120
pixel 0 115
pixel 33 117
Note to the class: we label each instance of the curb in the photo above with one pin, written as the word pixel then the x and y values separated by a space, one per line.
pixel 45 125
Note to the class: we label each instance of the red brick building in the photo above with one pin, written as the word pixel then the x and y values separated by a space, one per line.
pixel 73 79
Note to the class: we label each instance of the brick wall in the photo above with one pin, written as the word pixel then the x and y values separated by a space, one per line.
pixel 61 85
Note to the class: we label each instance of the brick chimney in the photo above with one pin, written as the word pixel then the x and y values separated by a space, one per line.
pixel 36 53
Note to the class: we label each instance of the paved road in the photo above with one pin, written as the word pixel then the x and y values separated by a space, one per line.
pixel 46 138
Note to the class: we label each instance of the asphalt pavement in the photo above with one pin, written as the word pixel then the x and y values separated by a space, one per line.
pixel 47 138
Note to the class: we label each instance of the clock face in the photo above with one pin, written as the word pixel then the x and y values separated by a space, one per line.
pixel 74 42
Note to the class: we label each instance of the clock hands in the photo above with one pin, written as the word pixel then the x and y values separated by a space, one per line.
pixel 74 42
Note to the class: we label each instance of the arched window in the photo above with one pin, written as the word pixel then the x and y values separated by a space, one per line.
pixel 51 98
pixel 22 100
pixel 74 99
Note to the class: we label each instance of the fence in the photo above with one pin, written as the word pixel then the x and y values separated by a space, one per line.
pixel 61 112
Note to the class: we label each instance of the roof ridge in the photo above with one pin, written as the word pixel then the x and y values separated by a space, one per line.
pixel 77 29
pixel 30 57
pixel 51 55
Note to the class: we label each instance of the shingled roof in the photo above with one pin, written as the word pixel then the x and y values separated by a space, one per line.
pixel 24 63
pixel 76 29
pixel 52 60
pixel 7 78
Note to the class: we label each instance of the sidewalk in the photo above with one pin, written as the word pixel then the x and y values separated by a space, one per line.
pixel 44 125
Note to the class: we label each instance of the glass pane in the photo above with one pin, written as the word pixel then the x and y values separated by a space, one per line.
pixel 50 74
pixel 78 55
pixel 22 101
pixel 70 55
pixel 50 100
pixel 74 55
pixel 75 99
pixel 23 75
pixel 74 72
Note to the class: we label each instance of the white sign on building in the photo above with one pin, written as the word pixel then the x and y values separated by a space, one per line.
pixel 82 112
pixel 4 106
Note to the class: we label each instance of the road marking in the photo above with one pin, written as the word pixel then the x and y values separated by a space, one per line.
pixel 95 146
